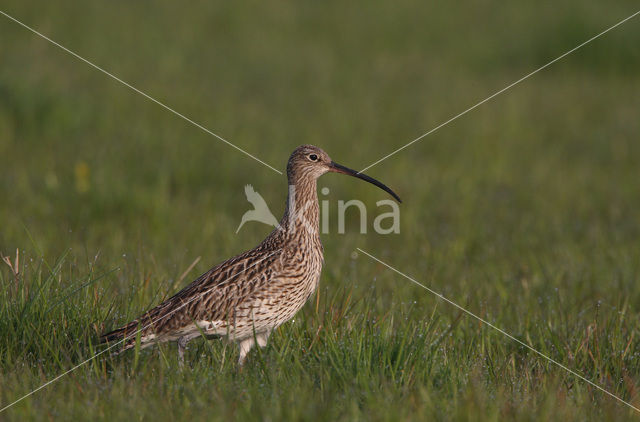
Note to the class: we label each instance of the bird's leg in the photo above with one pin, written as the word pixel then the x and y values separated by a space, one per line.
pixel 182 345
pixel 245 346
pixel 262 339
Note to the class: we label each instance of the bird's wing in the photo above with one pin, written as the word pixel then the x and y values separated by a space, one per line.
pixel 213 297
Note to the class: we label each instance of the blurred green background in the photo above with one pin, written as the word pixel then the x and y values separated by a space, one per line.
pixel 525 211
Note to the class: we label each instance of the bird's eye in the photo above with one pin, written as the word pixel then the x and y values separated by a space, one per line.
pixel 313 157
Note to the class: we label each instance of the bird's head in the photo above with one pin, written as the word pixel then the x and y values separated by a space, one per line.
pixel 311 162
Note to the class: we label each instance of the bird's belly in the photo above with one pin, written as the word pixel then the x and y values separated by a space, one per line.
pixel 293 298
pixel 275 305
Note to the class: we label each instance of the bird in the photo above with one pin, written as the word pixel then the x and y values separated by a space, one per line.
pixel 260 211
pixel 245 298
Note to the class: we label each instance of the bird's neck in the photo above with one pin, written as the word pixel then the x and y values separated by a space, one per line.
pixel 302 215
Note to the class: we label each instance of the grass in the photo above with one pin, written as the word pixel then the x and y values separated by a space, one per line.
pixel 525 211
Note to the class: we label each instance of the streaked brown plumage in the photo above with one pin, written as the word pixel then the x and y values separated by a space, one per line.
pixel 246 297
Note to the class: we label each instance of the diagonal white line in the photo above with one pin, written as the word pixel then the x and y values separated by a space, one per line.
pixel 500 92
pixel 51 381
pixel 501 331
pixel 139 92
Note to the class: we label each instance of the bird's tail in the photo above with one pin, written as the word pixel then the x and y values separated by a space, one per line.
pixel 144 326
pixel 126 335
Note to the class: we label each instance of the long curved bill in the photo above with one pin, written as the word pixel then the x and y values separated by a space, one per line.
pixel 337 168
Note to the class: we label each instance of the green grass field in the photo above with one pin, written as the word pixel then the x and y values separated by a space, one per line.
pixel 526 211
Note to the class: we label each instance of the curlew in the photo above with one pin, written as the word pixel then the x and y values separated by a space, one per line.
pixel 246 297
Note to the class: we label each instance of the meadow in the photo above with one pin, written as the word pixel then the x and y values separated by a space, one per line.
pixel 526 211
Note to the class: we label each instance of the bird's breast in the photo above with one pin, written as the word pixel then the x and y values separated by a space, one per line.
pixel 296 282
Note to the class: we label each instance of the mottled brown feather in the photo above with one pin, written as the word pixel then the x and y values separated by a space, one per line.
pixel 246 297
pixel 255 291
